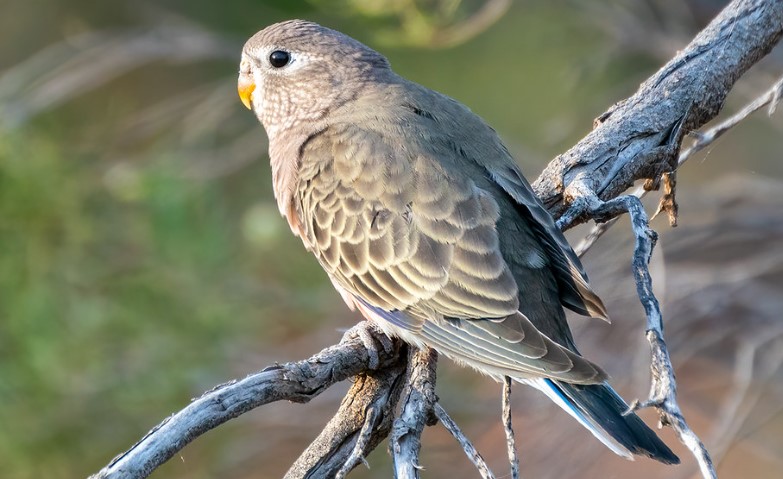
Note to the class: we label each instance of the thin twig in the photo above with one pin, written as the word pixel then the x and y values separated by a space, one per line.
pixel 488 14
pixel 513 458
pixel 744 398
pixel 58 74
pixel 357 455
pixel 467 446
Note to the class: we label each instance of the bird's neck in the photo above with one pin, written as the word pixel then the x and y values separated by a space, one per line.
pixel 284 159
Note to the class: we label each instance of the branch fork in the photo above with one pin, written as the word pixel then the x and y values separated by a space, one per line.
pixel 663 387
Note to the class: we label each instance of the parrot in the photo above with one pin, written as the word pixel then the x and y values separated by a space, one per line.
pixel 424 222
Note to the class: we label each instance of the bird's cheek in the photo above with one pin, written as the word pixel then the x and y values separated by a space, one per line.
pixel 245 87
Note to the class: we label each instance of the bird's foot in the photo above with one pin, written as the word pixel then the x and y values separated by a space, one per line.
pixel 371 336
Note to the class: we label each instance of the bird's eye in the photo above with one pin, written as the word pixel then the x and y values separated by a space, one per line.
pixel 279 58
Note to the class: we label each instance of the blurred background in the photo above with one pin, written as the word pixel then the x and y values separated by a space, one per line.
pixel 143 261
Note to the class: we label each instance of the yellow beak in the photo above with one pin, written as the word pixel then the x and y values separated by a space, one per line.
pixel 245 87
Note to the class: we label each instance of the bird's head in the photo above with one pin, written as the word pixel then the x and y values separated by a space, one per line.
pixel 298 71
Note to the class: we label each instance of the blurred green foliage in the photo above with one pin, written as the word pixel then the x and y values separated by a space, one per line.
pixel 114 301
pixel 95 296
pixel 141 261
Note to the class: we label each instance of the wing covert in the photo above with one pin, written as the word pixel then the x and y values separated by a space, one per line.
pixel 398 230
pixel 417 246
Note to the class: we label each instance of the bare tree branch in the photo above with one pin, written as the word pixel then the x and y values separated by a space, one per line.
pixel 633 139
pixel 416 412
pixel 651 152
pixel 663 388
pixel 701 140
pixel 638 138
pixel 363 420
pixel 297 382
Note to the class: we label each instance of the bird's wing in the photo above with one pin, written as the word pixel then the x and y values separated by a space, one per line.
pixel 575 292
pixel 417 244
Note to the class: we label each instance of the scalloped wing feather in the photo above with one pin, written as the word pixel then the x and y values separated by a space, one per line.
pixel 422 243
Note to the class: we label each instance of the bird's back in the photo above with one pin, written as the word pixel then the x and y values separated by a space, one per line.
pixel 426 123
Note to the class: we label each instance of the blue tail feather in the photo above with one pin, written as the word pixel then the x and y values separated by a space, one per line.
pixel 601 410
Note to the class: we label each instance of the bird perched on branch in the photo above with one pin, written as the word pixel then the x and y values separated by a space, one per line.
pixel 424 222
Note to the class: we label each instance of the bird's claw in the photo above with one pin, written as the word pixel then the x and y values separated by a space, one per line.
pixel 371 336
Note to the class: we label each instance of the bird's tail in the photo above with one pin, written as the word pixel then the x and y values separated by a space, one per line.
pixel 600 409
